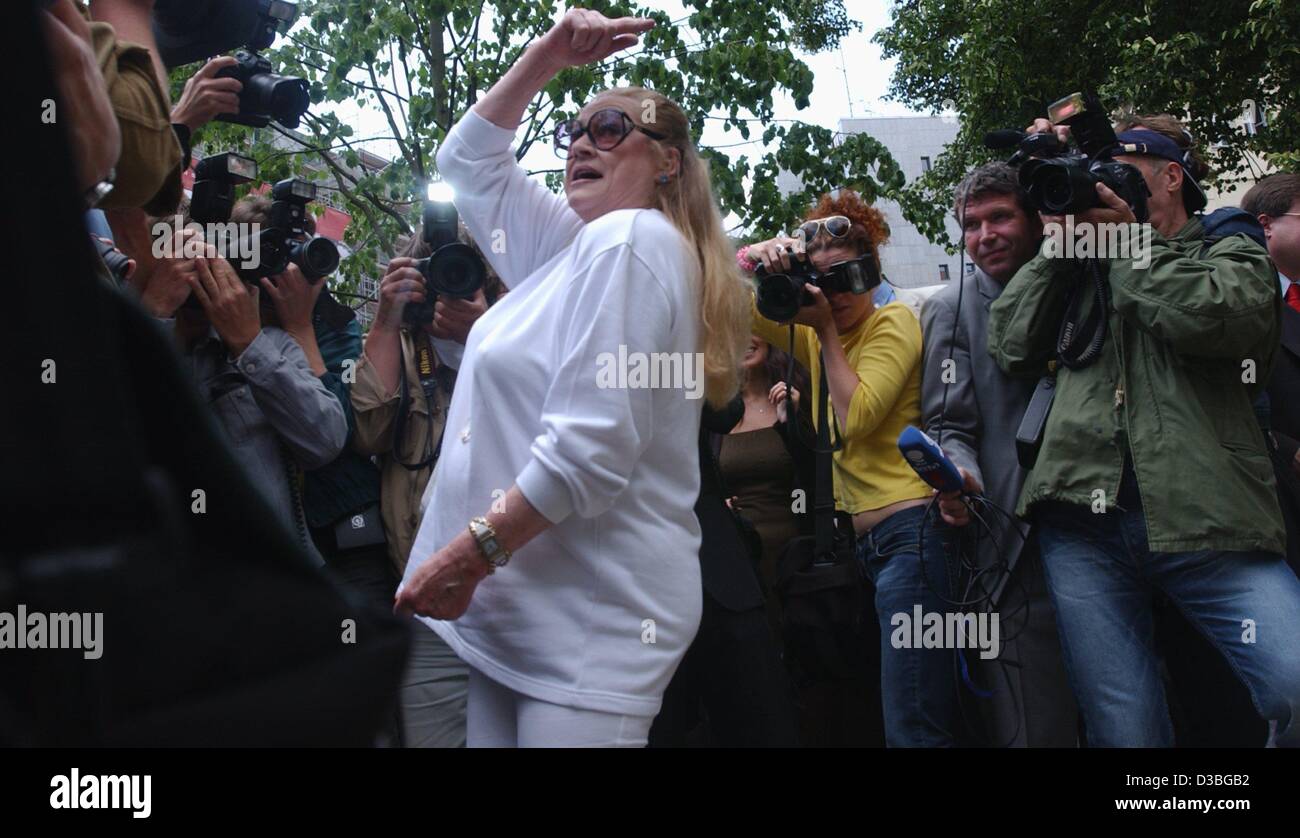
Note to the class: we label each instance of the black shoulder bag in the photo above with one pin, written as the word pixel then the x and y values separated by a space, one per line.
pixel 818 578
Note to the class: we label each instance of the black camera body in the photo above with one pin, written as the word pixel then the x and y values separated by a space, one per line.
pixel 194 30
pixel 265 95
pixel 780 295
pixel 452 270
pixel 282 243
pixel 1061 182
pixel 215 178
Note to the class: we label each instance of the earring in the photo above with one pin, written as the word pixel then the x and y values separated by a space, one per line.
pixel 663 178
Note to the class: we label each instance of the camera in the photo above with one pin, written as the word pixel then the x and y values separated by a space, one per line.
pixel 115 260
pixel 453 269
pixel 780 295
pixel 195 30
pixel 265 95
pixel 189 31
pixel 1061 182
pixel 282 242
pixel 215 178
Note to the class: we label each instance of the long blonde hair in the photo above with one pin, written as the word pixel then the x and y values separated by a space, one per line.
pixel 689 203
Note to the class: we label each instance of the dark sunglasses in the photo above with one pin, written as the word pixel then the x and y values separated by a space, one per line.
pixel 836 226
pixel 607 129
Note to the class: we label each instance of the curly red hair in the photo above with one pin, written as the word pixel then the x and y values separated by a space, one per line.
pixel 869 229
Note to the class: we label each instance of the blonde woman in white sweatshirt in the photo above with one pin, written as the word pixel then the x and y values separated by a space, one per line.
pixel 559 553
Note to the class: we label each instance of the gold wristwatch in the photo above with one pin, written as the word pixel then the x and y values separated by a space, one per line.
pixel 488 542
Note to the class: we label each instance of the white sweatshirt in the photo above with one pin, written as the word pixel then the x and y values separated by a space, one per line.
pixel 598 611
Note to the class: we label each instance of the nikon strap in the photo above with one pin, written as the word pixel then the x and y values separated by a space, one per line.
pixel 432 376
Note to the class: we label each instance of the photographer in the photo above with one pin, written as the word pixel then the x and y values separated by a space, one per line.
pixel 1152 470
pixel 970 413
pixel 147 173
pixel 871 358
pixel 278 415
pixel 341 498
pixel 399 418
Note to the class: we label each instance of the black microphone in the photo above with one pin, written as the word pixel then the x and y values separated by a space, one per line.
pixel 1003 138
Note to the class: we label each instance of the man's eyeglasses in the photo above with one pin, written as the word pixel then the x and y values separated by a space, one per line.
pixel 607 128
pixel 836 226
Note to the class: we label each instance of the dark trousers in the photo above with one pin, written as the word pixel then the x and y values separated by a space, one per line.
pixel 731 688
pixel 367 573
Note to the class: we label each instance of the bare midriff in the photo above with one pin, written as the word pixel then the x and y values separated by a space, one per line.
pixel 865 520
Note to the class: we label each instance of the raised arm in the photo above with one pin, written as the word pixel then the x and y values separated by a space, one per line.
pixel 519 222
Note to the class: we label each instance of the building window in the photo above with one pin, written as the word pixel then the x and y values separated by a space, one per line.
pixel 925 164
pixel 943 273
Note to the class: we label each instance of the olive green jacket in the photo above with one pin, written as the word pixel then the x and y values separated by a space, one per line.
pixel 1191 341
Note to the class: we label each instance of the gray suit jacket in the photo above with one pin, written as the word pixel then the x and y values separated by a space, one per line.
pixel 984 405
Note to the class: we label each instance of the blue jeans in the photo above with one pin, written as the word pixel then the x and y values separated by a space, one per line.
pixel 1101 576
pixel 918 686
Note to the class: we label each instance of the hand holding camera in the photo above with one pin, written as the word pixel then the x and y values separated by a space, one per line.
pixel 776 254
pixel 294 298
pixel 791 288
pixel 453 317
pixel 206 95
pixel 231 305
pixel 169 284
pixel 402 283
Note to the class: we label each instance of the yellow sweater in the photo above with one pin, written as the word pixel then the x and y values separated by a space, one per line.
pixel 885 349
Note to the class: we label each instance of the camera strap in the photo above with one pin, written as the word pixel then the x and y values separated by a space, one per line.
pixel 1068 351
pixel 823 481
pixel 433 376
pixel 1069 354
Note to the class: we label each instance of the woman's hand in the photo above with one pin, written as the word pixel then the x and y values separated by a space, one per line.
pixel 778 397
pixel 454 317
pixel 443 586
pixel 583 37
pixel 401 284
pixel 775 254
pixel 818 314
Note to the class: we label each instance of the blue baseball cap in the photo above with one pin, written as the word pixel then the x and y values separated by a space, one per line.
pixel 1155 144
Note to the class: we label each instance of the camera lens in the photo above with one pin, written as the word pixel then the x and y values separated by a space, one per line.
pixel 289 100
pixel 316 257
pixel 455 270
pixel 778 296
pixel 1056 191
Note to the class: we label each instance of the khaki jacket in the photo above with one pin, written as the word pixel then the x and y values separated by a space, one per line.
pixel 375 410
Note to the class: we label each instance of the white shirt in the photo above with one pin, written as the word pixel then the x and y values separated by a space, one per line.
pixel 598 611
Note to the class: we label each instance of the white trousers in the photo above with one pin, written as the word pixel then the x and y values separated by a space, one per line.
pixel 499 717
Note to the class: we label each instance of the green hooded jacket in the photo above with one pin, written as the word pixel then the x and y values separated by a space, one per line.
pixel 1191 340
